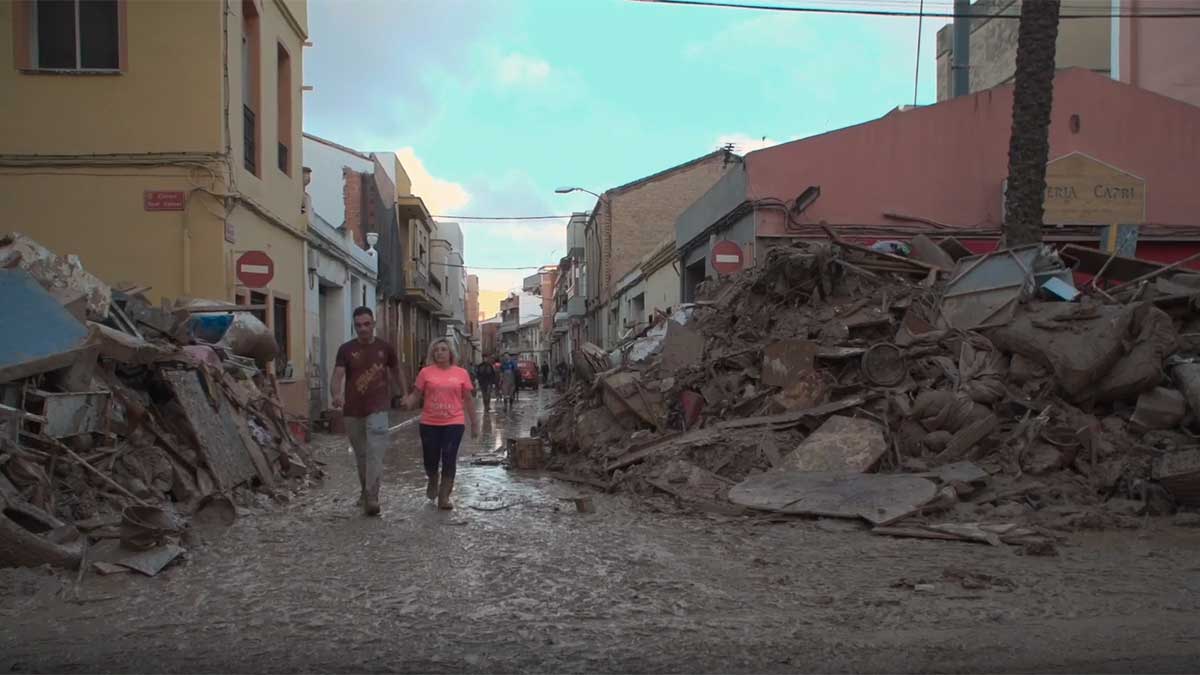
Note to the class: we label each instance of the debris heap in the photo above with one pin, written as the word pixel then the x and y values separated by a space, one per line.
pixel 121 422
pixel 936 394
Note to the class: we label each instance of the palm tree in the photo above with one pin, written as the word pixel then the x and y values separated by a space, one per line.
pixel 1029 145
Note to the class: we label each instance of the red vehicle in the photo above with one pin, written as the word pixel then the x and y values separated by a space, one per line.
pixel 527 374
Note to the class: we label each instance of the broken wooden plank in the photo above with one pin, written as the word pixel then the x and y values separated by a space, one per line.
pixel 697 437
pixel 214 309
pixel 793 418
pixel 1121 268
pixel 265 474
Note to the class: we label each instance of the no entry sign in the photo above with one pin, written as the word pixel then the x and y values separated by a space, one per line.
pixel 255 269
pixel 726 257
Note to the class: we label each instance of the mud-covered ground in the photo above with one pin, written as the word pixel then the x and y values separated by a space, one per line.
pixel 537 587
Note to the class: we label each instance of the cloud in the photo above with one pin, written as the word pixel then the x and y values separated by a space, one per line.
pixel 441 196
pixel 516 70
pixel 380 68
pixel 743 143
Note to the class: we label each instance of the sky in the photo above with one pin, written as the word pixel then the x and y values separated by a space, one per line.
pixel 492 104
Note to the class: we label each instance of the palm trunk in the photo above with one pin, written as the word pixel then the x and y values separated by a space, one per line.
pixel 1029 146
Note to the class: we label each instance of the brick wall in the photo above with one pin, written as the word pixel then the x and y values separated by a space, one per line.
pixel 549 278
pixel 358 211
pixel 644 215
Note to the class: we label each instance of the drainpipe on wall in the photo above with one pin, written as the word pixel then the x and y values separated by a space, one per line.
pixel 960 66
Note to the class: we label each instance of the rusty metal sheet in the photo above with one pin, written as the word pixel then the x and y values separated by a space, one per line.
pixel 840 444
pixel 212 420
pixel 984 289
pixel 877 498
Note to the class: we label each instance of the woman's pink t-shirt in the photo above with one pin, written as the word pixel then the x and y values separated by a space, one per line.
pixel 443 389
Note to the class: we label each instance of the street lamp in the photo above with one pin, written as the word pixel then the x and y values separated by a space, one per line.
pixel 568 190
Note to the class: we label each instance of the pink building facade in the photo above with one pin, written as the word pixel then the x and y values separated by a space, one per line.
pixel 944 166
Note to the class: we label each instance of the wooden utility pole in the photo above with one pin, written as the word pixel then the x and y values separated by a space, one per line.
pixel 1029 145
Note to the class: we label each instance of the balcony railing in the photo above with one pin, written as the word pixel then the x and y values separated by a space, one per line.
pixel 283 158
pixel 248 127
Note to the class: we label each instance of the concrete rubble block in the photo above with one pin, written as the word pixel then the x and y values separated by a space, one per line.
pixel 1159 408
pixel 688 482
pixel 877 498
pixel 681 347
pixel 840 444
pixel 1187 376
pixel 1142 368
pixel 806 391
pixel 597 428
pixel 1080 344
pixel 62 275
pixel 1041 458
pixel 1179 473
pixel 625 395
pixel 787 360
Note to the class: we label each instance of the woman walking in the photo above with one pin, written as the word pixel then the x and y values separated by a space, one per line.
pixel 444 392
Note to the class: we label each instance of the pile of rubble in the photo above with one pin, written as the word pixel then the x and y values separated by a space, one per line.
pixel 121 423
pixel 936 394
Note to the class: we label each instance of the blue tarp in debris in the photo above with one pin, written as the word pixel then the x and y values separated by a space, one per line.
pixel 33 324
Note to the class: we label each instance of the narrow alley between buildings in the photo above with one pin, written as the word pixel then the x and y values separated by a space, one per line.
pixel 514 579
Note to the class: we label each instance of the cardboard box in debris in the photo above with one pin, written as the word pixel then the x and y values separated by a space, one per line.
pixel 120 421
pixel 940 394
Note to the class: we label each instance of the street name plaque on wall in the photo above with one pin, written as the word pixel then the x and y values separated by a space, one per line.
pixel 1082 190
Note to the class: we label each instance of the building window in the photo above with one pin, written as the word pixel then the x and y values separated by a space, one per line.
pixel 69 35
pixel 250 86
pixel 283 94
pixel 257 298
pixel 279 315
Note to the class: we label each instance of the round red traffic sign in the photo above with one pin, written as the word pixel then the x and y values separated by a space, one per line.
pixel 255 269
pixel 726 257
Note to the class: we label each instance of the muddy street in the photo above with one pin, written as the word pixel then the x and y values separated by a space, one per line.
pixel 515 580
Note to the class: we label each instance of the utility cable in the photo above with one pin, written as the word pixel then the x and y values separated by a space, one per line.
pixel 866 11
pixel 502 217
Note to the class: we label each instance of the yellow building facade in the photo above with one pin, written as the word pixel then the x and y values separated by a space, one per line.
pixel 159 140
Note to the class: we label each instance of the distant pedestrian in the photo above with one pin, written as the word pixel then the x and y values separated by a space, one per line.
pixel 444 391
pixel 485 376
pixel 508 380
pixel 545 374
pixel 562 375
pixel 365 375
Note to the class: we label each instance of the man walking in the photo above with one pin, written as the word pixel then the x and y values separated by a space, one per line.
pixel 365 373
pixel 545 381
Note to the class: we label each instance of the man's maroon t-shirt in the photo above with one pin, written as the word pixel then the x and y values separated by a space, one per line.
pixel 367 381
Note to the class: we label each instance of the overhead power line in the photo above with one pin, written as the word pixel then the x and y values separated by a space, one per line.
pixel 502 217
pixel 869 11
pixel 480 267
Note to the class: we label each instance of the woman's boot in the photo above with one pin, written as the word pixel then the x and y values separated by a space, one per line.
pixel 444 494
pixel 431 489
